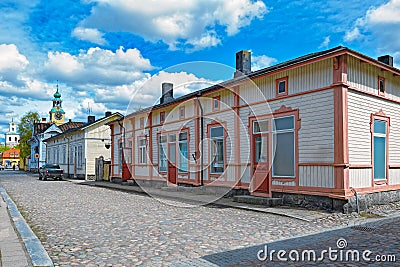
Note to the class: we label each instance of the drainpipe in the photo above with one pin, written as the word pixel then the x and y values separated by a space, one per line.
pixel 356 195
pixel 201 140
pixel 125 175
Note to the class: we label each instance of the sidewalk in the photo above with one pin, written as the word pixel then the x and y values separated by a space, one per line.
pixel 189 199
pixel 19 246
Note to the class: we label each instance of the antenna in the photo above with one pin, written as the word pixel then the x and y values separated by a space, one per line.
pixel 89 109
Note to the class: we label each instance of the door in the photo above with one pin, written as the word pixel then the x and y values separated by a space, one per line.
pixel 172 172
pixel 260 184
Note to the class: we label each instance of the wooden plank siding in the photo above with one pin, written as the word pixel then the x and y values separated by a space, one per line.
pixel 360 177
pixel 317 176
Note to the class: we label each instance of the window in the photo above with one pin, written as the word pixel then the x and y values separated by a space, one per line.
pixel 380 149
pixel 71 156
pixel 217 149
pixel 64 156
pixel 216 103
pixel 128 152
pixel 80 157
pixel 381 86
pixel 162 117
pixel 183 152
pixel 282 86
pixel 9 138
pixel 142 151
pixel 260 126
pixel 55 156
pixel 15 139
pixel 162 155
pixel 141 123
pixel 283 164
pixel 181 113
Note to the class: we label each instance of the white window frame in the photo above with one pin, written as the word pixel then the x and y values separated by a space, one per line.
pixel 142 159
pixel 214 154
pixel 276 132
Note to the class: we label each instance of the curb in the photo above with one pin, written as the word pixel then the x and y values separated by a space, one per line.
pixel 34 247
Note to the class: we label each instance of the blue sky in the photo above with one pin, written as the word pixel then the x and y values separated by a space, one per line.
pixel 107 52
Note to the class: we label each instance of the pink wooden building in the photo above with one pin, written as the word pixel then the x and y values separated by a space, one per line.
pixel 322 128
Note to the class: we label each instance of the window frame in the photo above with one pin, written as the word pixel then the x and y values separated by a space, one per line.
pixel 162 117
pixel 164 145
pixel 182 112
pixel 210 127
pixel 277 82
pixel 218 99
pixel 179 142
pixel 380 116
pixel 141 122
pixel 380 91
pixel 142 150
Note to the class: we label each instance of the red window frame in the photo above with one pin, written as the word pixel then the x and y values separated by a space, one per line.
pixel 162 117
pixel 182 112
pixel 277 82
pixel 381 91
pixel 218 98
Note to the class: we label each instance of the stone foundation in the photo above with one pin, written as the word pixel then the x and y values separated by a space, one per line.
pixel 367 200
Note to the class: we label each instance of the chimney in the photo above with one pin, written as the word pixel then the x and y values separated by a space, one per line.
pixel 167 92
pixel 43 119
pixel 108 114
pixel 243 63
pixel 69 120
pixel 91 119
pixel 388 60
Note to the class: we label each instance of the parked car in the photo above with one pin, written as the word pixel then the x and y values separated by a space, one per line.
pixel 51 171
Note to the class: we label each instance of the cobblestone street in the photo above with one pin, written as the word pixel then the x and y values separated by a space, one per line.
pixel 89 226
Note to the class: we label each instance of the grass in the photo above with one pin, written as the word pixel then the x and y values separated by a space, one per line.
pixel 364 214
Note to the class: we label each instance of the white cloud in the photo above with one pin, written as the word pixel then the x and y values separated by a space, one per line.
pixel 260 62
pixel 176 23
pixel 325 43
pixel 97 66
pixel 87 34
pixel 380 25
pixel 352 35
pixel 11 59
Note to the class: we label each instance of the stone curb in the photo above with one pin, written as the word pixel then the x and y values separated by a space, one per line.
pixel 34 247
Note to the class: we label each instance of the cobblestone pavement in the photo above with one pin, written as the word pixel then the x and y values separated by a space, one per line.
pixel 89 226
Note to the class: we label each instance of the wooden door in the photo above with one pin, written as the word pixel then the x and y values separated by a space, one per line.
pixel 172 172
pixel 261 182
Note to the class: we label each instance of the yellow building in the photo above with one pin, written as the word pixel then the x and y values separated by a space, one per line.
pixel 10 158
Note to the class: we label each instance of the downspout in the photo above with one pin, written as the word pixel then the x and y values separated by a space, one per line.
pixel 68 158
pixel 201 140
pixel 125 171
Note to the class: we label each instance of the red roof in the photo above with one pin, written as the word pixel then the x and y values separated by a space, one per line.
pixel 11 153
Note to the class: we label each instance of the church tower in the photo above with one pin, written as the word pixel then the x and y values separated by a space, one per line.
pixel 57 114
pixel 12 137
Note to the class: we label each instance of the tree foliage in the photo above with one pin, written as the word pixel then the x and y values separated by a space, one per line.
pixel 4 148
pixel 25 131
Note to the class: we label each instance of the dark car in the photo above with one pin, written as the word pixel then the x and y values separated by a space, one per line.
pixel 51 171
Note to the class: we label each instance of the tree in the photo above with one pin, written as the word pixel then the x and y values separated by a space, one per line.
pixel 25 132
pixel 4 148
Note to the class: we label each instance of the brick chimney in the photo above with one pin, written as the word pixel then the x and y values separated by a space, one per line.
pixel 387 59
pixel 243 63
pixel 167 92
pixel 91 119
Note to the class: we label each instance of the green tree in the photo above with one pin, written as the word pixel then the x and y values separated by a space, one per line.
pixel 25 131
pixel 4 148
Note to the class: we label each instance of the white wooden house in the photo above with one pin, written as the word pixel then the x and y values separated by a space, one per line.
pixel 322 127
pixel 76 150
